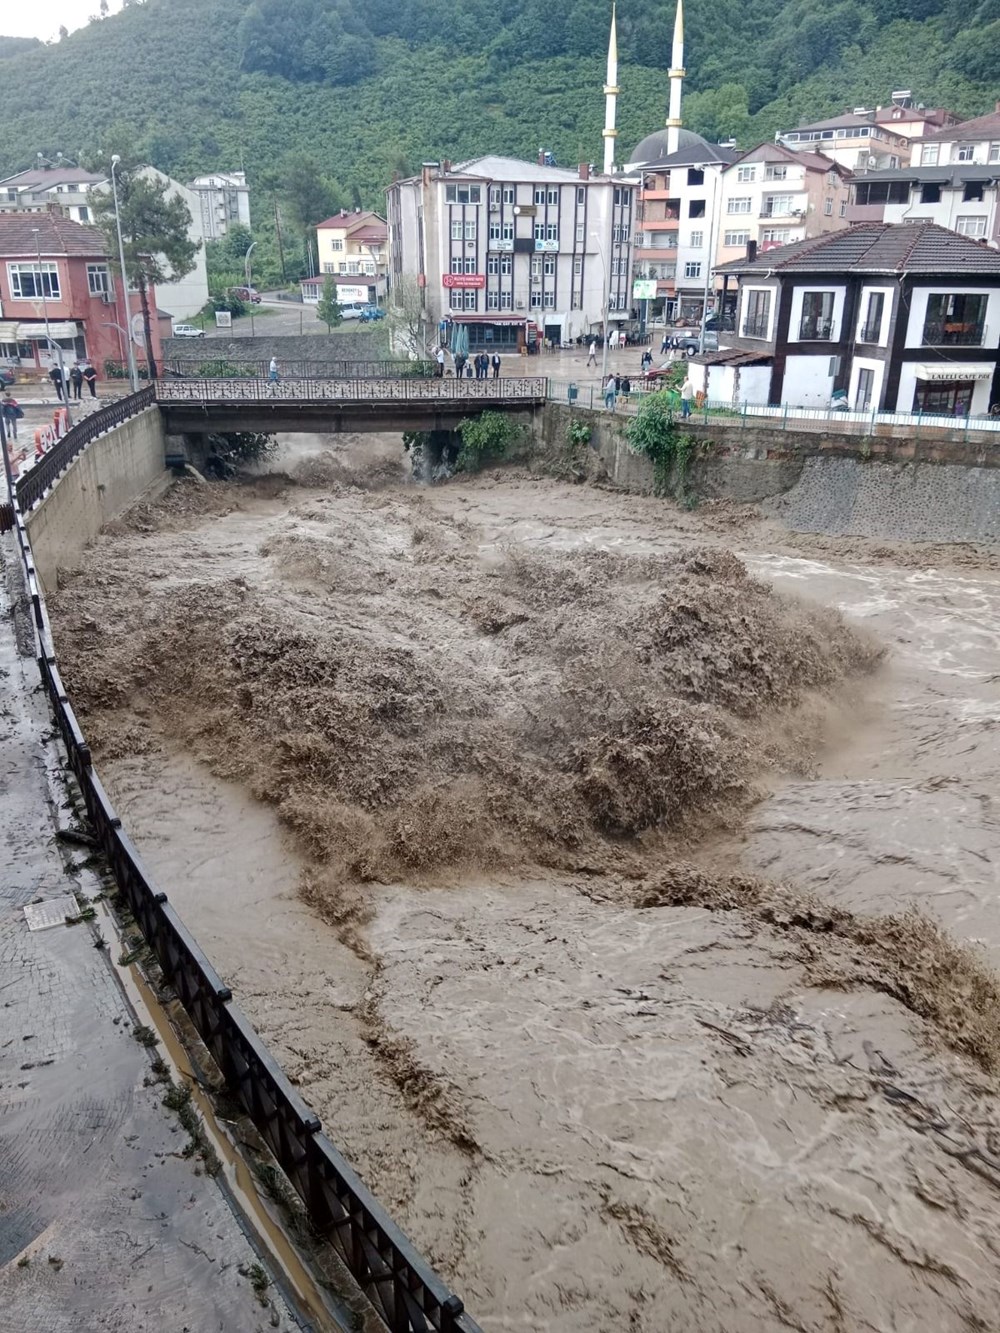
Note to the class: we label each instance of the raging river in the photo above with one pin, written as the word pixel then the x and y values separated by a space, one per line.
pixel 590 1112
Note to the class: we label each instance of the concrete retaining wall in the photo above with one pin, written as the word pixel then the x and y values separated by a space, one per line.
pixel 111 474
pixel 345 345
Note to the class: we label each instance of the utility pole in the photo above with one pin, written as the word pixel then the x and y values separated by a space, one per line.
pixel 133 374
pixel 281 248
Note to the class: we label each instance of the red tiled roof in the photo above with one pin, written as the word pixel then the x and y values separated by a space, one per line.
pixel 877 247
pixel 983 127
pixel 345 221
pixel 56 236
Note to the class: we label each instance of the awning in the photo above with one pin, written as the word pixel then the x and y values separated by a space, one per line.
pixel 955 370
pixel 8 330
pixel 36 332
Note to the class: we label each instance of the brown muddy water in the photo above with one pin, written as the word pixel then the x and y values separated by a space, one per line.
pixel 603 1084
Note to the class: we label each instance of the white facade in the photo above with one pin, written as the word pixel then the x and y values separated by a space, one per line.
pixel 223 201
pixel 502 244
pixel 941 150
pixel 183 299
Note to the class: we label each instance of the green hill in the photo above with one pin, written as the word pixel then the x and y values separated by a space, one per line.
pixel 368 88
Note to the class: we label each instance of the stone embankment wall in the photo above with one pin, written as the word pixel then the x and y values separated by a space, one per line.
pixel 112 473
pixel 891 486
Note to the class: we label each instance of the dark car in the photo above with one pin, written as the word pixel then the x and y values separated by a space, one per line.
pixel 371 313
pixel 250 294
pixel 7 377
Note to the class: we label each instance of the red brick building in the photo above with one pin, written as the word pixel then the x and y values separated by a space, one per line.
pixel 86 313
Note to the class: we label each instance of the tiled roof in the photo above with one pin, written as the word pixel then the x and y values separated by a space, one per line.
pixel 877 247
pixel 56 236
pixel 956 173
pixel 846 121
pixel 983 127
pixel 345 221
pixel 693 155
pixel 45 178
pixel 779 152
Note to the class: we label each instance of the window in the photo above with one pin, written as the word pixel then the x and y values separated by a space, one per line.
pixel 549 266
pixel 756 313
pixel 777 205
pixel 493 265
pixel 327 268
pixel 28 281
pixel 508 194
pixel 617 266
pixel 508 231
pixel 697 240
pixel 471 299
pixel 929 155
pixel 994 153
pixel 970 226
pixel 492 300
pixel 536 300
pixel 336 245
pixel 619 235
pixel 353 267
pixel 456 264
pixel 552 196
pixel 496 231
pixel 470 231
pixel 456 231
pixel 581 194
pixel 579 235
pixel 83 213
pixel 539 231
pixel 828 208
pixel 843 208
pixel 539 196
pixel 341 268
pixel 696 208
pixel 462 194
pixel 744 174
pixel 494 194
pixel 456 298
pixel 866 382
pixel 882 192
pixel 692 269
pixel 776 171
pixel 735 238
pixel 623 196
pixel 871 330
pixel 552 232
pixel 470 264
pixel 930 193
pixel 506 265
pixel 966 153
pixel 973 192
pixel 816 324
pixel 536 266
pixel 740 205
pixel 549 301
pixel 506 300
pixel 577 267
pixel 98 279
pixel 695 176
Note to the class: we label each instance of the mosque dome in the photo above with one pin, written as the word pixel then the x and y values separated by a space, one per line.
pixel 654 147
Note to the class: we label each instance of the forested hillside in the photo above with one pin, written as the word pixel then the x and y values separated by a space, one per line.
pixel 366 87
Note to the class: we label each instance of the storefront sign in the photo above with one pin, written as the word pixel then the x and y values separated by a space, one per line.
pixel 949 371
pixel 545 245
pixel 464 280
pixel 502 247
pixel 644 289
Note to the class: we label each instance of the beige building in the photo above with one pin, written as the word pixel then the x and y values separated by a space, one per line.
pixel 773 196
pixel 854 140
pixel 353 248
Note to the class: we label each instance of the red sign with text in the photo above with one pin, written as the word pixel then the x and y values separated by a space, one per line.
pixel 464 280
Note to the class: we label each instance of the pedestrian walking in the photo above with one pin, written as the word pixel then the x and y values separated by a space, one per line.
pixel 663 345
pixel 609 393
pixel 90 375
pixel 76 380
pixel 496 366
pixel 272 370
pixel 56 376
pixel 12 414
pixel 647 360
pixel 592 354
pixel 687 394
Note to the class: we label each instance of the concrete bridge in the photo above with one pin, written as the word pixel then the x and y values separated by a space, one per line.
pixel 193 406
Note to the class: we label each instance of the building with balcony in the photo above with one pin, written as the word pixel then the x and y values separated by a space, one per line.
pixel 514 250
pixel 855 140
pixel 353 249
pixel 898 316
pixel 773 196
pixel 50 266
pixel 223 202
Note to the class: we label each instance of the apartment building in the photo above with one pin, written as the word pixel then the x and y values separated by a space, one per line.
pixel 514 251
pixel 223 202
pixel 773 196
pixel 854 140
pixel 51 266
pixel 898 316
pixel 353 249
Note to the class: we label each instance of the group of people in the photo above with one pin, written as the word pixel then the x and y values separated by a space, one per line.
pixel 616 386
pixel 478 367
pixel 78 376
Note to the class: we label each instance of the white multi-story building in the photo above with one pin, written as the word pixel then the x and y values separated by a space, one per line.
pixel 515 251
pixel 854 140
pixel 223 201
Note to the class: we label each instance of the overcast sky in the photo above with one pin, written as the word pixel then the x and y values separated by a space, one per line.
pixel 44 18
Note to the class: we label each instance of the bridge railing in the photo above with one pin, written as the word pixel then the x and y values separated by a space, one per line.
pixel 33 485
pixel 531 388
pixel 211 364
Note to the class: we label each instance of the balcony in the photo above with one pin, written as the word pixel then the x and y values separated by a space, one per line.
pixel 755 328
pixel 953 335
pixel 872 332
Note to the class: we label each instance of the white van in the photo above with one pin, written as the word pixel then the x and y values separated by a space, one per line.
pixel 352 309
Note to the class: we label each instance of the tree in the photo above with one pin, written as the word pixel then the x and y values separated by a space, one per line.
pixel 329 307
pixel 155 228
pixel 405 325
pixel 310 195
pixel 63 33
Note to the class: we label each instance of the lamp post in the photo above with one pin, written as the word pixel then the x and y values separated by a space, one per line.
pixel 133 375
pixel 604 309
pixel 48 336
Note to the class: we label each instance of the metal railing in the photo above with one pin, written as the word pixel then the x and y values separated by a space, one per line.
pixel 531 388
pixel 755 328
pixel 223 366
pixel 403 1289
pixel 33 485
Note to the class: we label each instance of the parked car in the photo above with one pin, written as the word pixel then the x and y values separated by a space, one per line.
pixel 7 377
pixel 188 331
pixel 250 294
pixel 372 312
pixel 352 310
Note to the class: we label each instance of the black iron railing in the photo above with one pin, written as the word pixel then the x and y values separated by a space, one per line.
pixel 33 485
pixel 956 334
pixel 528 387
pixel 210 364
pixel 403 1289
pixel 871 332
pixel 755 328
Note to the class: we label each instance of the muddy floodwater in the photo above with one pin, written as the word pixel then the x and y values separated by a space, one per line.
pixel 650 1077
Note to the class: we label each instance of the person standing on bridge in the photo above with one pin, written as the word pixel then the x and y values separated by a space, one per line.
pixel 56 376
pixel 496 366
pixel 272 370
pixel 76 380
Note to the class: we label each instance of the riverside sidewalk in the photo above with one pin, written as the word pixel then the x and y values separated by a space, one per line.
pixel 103 1224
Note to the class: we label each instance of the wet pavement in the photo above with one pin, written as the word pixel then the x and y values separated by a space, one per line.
pixel 104 1224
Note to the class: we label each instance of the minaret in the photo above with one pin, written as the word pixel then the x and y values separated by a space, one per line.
pixel 676 74
pixel 610 98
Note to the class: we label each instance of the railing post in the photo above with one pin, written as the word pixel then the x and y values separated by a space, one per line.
pixel 784 418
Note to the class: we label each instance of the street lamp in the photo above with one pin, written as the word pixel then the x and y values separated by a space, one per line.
pixel 133 375
pixel 48 336
pixel 604 309
pixel 246 264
